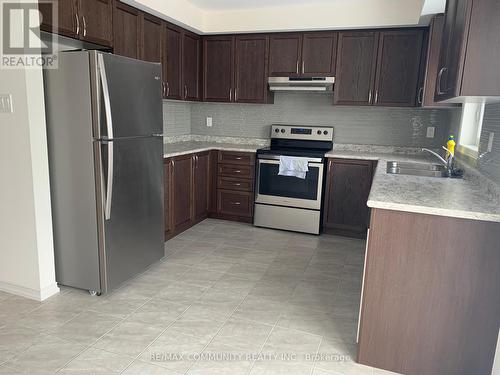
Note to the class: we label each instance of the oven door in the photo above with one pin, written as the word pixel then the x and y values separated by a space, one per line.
pixel 287 190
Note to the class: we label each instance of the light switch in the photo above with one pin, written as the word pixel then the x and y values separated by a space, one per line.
pixel 209 122
pixel 431 130
pixel 6 103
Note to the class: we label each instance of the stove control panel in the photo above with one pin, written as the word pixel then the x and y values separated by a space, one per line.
pixel 311 133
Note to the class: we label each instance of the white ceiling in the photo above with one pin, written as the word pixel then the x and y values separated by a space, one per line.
pixel 242 16
pixel 246 4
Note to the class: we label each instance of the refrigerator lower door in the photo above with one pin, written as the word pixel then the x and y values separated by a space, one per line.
pixel 133 220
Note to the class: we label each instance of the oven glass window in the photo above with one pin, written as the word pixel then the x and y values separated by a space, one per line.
pixel 287 186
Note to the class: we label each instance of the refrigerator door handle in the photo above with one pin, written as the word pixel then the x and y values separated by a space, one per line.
pixel 109 125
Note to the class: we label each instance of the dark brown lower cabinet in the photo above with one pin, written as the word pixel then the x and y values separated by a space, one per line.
pixel 348 184
pixel 201 179
pixel 182 185
pixel 430 302
pixel 189 188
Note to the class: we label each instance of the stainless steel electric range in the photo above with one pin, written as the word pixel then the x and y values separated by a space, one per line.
pixel 287 202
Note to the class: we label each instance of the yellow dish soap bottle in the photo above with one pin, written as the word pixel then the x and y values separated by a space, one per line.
pixel 450 147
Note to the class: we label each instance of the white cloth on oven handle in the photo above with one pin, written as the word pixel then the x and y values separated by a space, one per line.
pixel 293 166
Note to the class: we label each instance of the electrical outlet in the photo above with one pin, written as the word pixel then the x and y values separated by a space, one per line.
pixel 209 122
pixel 431 130
pixel 6 103
pixel 490 142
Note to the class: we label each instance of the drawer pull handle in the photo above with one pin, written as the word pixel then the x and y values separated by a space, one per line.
pixel 237 184
pixel 237 171
pixel 238 158
pixel 236 203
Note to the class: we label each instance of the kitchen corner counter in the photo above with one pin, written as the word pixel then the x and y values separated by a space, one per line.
pixel 190 147
pixel 473 197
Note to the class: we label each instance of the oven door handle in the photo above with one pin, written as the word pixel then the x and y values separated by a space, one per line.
pixel 276 162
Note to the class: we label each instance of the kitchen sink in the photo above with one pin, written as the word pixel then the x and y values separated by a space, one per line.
pixel 417 169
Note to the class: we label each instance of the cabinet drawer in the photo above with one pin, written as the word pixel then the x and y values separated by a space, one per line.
pixel 235 203
pixel 230 183
pixel 242 158
pixel 231 170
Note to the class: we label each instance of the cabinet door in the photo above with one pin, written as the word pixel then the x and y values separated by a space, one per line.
pixel 201 183
pixel 319 52
pixel 218 69
pixel 452 48
pixel 182 184
pixel 355 71
pixel 126 31
pixel 68 22
pixel 347 188
pixel 398 67
pixel 167 175
pixel 191 60
pixel 152 38
pixel 96 17
pixel 172 62
pixel 285 55
pixel 250 69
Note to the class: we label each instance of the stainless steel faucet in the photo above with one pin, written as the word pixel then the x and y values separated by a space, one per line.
pixel 447 163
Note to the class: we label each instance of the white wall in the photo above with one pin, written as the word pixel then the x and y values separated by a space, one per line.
pixel 26 242
pixel 305 16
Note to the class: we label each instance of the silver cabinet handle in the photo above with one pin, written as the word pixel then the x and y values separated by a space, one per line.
pixel 370 97
pixel 420 96
pixel 230 95
pixel 77 24
pixel 185 91
pixel 163 92
pixel 236 203
pixel 237 171
pixel 376 96
pixel 297 67
pixel 237 184
pixel 439 79
pixel 303 67
pixel 235 94
pixel 168 89
pixel 84 26
pixel 109 124
pixel 238 158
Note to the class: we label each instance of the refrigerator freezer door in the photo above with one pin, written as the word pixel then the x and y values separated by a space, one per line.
pixel 134 230
pixel 135 97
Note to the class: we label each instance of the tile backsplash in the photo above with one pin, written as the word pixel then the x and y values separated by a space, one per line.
pixel 357 125
pixel 489 162
pixel 176 118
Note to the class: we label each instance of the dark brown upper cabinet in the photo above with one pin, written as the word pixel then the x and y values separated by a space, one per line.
pixel 96 21
pixel 191 68
pixel 68 20
pixel 152 38
pixel 398 68
pixel 172 62
pixel 429 66
pixel 355 70
pixel 250 69
pixel 218 69
pixel 378 68
pixel 235 69
pixel 89 20
pixel 302 54
pixel 285 55
pixel 470 46
pixel 126 31
pixel 319 51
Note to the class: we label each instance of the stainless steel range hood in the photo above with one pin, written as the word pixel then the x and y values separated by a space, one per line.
pixel 316 84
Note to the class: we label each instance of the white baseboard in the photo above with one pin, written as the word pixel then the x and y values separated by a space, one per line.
pixel 37 295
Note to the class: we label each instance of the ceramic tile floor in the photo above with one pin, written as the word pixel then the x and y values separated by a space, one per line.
pixel 251 301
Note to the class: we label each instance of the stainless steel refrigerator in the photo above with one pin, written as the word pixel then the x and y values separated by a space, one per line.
pixel 104 125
